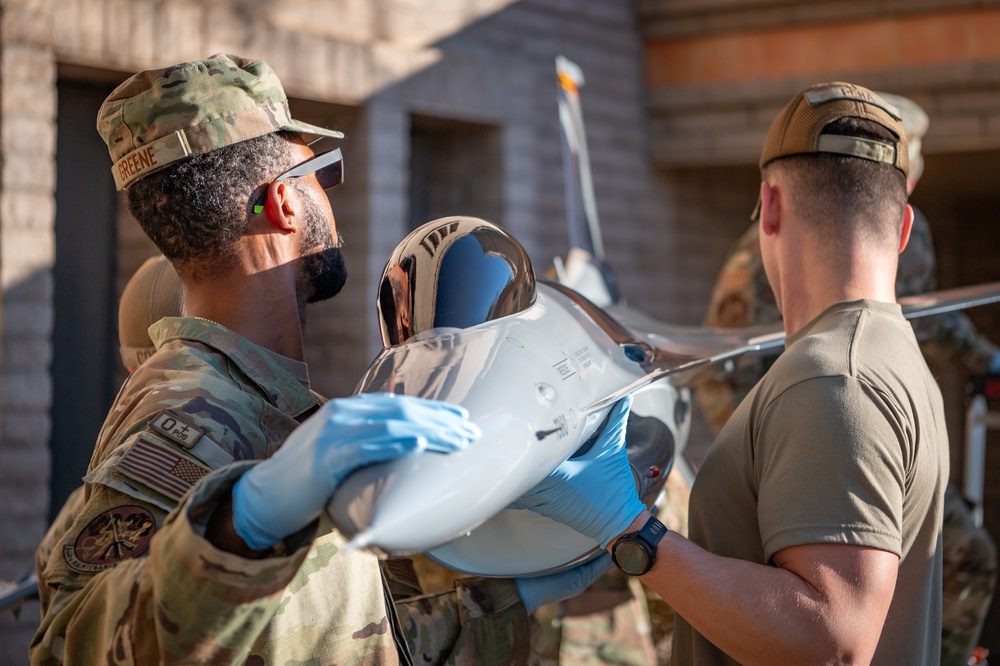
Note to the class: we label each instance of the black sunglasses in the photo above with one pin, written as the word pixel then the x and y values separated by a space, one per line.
pixel 328 167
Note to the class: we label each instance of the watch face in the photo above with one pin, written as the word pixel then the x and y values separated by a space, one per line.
pixel 631 557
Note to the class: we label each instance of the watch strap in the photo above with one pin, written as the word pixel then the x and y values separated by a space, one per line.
pixel 652 532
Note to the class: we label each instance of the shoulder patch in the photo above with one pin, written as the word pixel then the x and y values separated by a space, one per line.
pixel 173 426
pixel 117 534
pixel 160 467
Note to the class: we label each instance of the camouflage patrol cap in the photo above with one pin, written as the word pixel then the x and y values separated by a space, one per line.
pixel 798 129
pixel 915 124
pixel 152 293
pixel 160 116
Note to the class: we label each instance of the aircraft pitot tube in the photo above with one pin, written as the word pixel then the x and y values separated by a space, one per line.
pixel 463 320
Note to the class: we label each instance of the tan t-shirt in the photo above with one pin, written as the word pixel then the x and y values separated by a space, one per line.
pixel 842 441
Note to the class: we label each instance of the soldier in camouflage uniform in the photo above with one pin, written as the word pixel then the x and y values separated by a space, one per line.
pixel 742 297
pixel 199 536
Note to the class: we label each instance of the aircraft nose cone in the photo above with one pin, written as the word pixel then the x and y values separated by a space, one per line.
pixel 453 272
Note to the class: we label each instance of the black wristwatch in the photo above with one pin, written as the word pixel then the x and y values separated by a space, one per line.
pixel 635 552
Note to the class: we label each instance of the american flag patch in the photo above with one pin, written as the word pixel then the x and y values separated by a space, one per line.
pixel 159 467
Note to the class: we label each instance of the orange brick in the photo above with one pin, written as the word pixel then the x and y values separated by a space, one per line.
pixel 823 50
pixel 935 39
pixel 984 36
pixel 796 51
pixel 863 46
pixel 735 57
pixel 665 59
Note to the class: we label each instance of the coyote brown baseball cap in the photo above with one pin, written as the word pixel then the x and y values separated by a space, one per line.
pixel 798 128
pixel 160 116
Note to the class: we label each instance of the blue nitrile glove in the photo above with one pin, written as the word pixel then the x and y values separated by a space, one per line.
pixel 595 494
pixel 541 590
pixel 995 364
pixel 286 492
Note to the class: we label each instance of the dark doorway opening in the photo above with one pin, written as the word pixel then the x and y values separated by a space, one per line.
pixel 456 168
pixel 84 351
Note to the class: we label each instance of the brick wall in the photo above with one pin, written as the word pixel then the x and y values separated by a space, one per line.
pixel 718 72
pixel 27 174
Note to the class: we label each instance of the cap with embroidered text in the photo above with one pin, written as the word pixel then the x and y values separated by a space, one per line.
pixel 160 116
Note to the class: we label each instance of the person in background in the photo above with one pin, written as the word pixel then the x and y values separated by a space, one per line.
pixel 152 293
pixel 202 537
pixel 742 297
pixel 815 518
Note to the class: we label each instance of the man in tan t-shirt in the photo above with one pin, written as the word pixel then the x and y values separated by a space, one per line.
pixel 815 518
pixel 743 297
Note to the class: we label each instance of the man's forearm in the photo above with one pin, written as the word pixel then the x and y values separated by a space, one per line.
pixel 759 614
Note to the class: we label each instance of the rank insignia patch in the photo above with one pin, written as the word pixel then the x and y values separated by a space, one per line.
pixel 117 534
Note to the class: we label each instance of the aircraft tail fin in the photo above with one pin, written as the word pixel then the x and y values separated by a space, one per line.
pixel 585 269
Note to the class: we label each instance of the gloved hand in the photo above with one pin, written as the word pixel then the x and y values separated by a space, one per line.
pixel 541 590
pixel 995 364
pixel 286 492
pixel 595 494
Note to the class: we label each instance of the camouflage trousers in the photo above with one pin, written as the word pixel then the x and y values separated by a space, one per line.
pixel 607 624
pixel 969 580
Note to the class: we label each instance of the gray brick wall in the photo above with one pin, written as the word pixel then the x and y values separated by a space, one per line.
pixel 27 174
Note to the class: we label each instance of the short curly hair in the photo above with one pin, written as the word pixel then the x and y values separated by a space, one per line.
pixel 196 210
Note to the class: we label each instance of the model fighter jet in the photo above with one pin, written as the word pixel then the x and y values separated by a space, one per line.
pixel 538 364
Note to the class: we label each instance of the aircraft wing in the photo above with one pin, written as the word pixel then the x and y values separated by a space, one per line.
pixel 685 352
pixel 950 300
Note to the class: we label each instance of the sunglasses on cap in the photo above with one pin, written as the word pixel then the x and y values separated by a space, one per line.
pixel 328 167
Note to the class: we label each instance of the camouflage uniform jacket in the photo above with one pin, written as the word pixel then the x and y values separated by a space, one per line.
pixel 130 579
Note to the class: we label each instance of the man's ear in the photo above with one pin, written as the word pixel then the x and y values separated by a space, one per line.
pixel 904 236
pixel 281 207
pixel 770 208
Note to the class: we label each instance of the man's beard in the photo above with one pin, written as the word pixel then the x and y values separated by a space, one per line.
pixel 323 271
